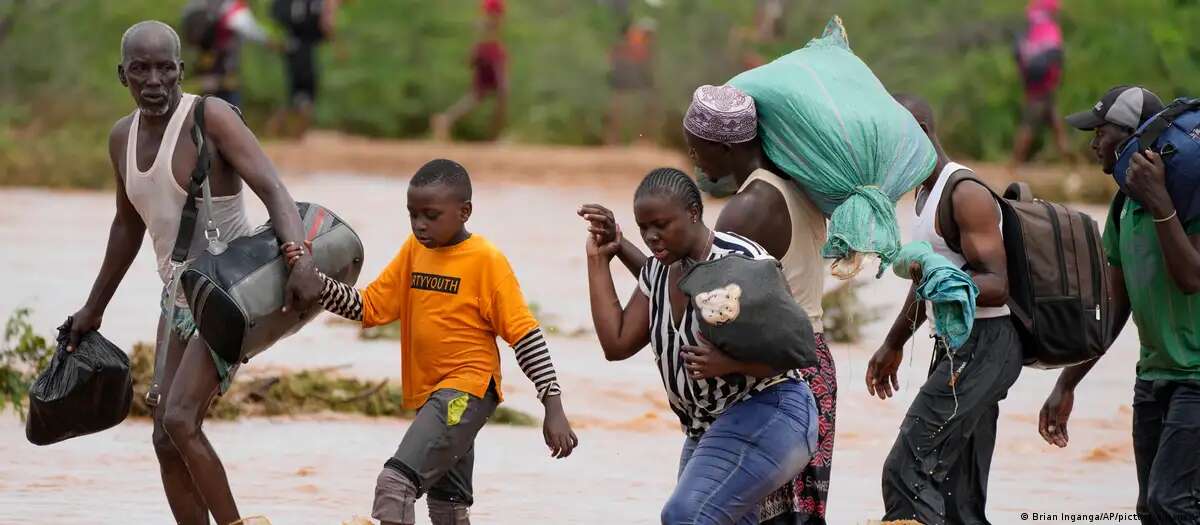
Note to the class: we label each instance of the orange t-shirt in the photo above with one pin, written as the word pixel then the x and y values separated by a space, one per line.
pixel 452 303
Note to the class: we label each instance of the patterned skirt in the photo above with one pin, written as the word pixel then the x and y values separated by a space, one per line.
pixel 803 500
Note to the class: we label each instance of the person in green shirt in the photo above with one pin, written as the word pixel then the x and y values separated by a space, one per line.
pixel 1154 263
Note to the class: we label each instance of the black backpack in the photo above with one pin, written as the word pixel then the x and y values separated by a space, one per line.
pixel 1057 274
pixel 199 22
pixel 1038 66
pixel 301 18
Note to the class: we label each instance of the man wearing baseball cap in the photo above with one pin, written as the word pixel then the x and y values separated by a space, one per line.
pixel 1159 285
pixel 1123 106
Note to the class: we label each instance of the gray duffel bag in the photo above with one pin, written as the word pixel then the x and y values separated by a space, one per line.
pixel 236 290
pixel 236 296
pixel 747 312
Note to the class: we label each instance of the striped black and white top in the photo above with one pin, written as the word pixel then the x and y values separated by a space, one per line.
pixel 697 402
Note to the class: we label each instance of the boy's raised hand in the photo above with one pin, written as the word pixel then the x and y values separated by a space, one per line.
pixel 557 430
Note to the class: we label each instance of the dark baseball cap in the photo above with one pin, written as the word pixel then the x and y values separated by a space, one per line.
pixel 1125 106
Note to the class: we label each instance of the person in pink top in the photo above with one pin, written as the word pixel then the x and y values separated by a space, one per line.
pixel 1039 59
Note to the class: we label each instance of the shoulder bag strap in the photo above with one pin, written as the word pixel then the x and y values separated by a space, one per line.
pixel 1159 123
pixel 197 185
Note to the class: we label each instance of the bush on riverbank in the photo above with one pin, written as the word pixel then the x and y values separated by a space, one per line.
pixel 24 354
pixel 845 314
pixel 402 60
pixel 297 393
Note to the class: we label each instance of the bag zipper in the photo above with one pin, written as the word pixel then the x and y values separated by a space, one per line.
pixel 1091 242
pixel 1062 263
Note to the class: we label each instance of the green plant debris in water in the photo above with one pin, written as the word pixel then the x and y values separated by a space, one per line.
pixel 390 332
pixel 297 393
pixel 22 355
pixel 845 315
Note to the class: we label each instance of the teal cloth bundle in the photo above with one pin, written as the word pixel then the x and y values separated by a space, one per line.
pixel 950 289
pixel 828 122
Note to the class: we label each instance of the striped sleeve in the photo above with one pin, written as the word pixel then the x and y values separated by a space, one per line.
pixel 341 299
pixel 644 277
pixel 533 356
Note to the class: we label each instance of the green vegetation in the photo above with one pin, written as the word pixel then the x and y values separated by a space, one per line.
pixel 845 314
pixel 22 355
pixel 402 60
pixel 390 332
pixel 296 393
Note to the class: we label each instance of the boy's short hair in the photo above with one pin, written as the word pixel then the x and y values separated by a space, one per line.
pixel 444 171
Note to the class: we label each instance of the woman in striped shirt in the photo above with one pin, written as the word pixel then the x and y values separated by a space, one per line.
pixel 749 428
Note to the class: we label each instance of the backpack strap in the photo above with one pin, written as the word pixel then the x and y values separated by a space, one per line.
pixel 1160 122
pixel 946 224
pixel 1019 191
pixel 1115 208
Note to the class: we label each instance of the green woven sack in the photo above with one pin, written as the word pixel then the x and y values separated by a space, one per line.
pixel 827 121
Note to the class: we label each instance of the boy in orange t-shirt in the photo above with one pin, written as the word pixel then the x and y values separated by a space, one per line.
pixel 453 293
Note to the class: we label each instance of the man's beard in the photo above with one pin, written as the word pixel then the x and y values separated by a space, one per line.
pixel 163 108
pixel 156 110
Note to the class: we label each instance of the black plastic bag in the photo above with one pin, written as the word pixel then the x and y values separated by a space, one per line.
pixel 82 392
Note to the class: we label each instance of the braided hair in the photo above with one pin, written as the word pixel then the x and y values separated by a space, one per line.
pixel 672 183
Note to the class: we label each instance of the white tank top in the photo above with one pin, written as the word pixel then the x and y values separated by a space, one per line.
pixel 925 229
pixel 802 264
pixel 159 199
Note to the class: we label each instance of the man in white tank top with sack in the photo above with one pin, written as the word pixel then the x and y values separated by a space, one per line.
pixel 153 154
pixel 937 470
pixel 721 128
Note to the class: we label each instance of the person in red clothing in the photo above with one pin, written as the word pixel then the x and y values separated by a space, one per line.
pixel 489 66
pixel 632 81
pixel 1039 59
pixel 218 67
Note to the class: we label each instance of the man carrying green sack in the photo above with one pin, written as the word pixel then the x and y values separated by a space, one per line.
pixel 937 470
pixel 828 123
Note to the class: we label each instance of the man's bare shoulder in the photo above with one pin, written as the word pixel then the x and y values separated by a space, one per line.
pixel 120 130
pixel 757 200
pixel 974 204
pixel 219 114
pixel 118 138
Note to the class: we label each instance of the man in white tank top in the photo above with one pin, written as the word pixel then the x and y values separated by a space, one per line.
pixel 773 211
pixel 937 470
pixel 153 156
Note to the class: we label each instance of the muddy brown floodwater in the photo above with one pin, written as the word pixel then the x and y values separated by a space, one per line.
pixel 321 470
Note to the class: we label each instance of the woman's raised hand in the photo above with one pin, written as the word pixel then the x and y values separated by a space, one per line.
pixel 604 235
